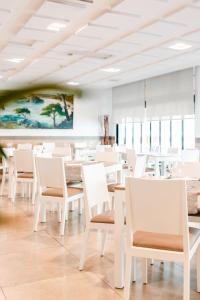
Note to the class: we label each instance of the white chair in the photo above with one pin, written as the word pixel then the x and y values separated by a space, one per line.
pixel 190 155
pixel 131 159
pixel 38 148
pixel 140 166
pixel 102 148
pixel 189 169
pixel 25 146
pixel 96 198
pixel 48 147
pixel 64 152
pixel 24 171
pixel 157 227
pixel 52 188
pixel 104 156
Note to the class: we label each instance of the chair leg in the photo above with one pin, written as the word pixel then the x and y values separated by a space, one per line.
pixel 14 187
pixel 186 280
pixel 44 213
pixel 37 215
pixel 127 283
pixel 80 206
pixel 151 262
pixel 59 213
pixel 133 274
pixel 144 270
pixel 84 248
pixel 22 189
pixel 198 269
pixel 62 225
pixel 103 242
pixel 34 192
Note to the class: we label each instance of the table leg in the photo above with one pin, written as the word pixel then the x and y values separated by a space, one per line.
pixel 119 240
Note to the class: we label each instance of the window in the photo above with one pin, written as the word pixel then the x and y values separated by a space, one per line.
pixel 159 134
pixel 122 129
pixel 177 133
pixel 155 135
pixel 165 135
pixel 129 135
pixel 145 136
pixel 137 136
pixel 189 133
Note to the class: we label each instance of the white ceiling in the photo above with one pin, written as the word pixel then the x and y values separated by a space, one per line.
pixel 131 35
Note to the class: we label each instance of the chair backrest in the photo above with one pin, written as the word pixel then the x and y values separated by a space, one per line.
pixel 48 147
pixel 23 161
pixel 190 155
pixel 95 188
pixel 25 146
pixel 62 152
pixel 50 172
pixel 140 166
pixel 38 148
pixel 158 206
pixel 131 159
pixel 105 156
pixel 103 148
pixel 186 170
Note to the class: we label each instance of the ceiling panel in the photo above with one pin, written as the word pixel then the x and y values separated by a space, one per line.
pixel 98 31
pixel 163 28
pixel 39 35
pixel 84 42
pixel 60 11
pixel 188 16
pixel 41 23
pixel 122 48
pixel 142 38
pixel 10 4
pixel 145 9
pixel 117 20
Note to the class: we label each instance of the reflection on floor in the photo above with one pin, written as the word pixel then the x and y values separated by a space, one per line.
pixel 43 265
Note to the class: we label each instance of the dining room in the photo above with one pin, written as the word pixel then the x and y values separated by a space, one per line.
pixel 99 149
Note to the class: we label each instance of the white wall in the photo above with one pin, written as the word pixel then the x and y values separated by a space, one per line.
pixel 87 110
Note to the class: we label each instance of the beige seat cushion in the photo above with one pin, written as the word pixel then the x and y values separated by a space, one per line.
pixel 163 241
pixel 56 192
pixel 106 217
pixel 25 175
pixel 112 186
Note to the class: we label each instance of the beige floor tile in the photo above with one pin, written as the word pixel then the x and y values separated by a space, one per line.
pixel 2 297
pixel 35 264
pixel 75 286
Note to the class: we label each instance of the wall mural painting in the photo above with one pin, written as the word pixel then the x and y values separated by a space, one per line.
pixel 38 112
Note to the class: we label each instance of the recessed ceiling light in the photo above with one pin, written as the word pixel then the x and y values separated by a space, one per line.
pixel 180 46
pixel 56 26
pixel 15 60
pixel 111 70
pixel 73 83
pixel 81 28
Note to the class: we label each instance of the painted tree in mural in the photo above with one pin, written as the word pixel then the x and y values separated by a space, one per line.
pixel 52 111
pixel 64 98
pixel 24 112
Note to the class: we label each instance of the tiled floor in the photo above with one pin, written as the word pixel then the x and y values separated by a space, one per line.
pixel 44 266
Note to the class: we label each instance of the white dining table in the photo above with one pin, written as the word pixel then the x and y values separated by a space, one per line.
pixel 158 157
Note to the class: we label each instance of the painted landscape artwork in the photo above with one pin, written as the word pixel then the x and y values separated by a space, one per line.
pixel 41 112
